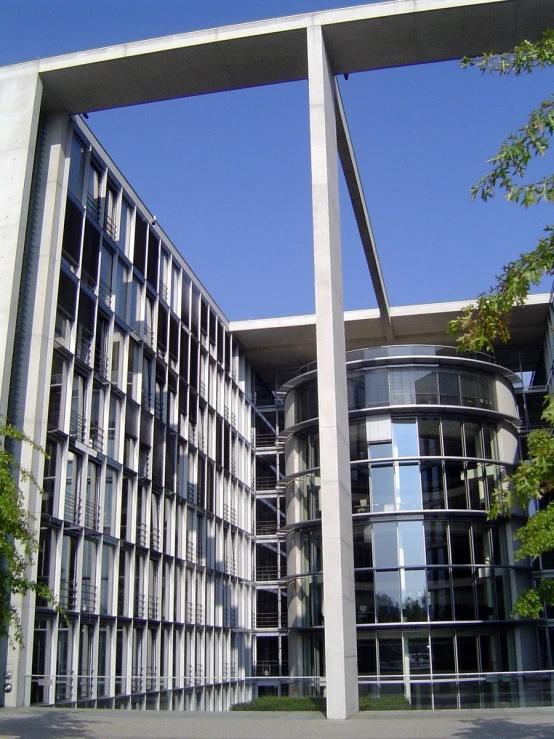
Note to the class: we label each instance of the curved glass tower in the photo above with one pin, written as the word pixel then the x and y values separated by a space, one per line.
pixel 432 435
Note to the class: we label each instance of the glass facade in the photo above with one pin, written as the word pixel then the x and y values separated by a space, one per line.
pixel 434 584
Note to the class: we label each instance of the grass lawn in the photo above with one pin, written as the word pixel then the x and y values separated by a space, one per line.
pixel 285 703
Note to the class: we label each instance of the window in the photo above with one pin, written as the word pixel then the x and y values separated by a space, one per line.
pixel 77 169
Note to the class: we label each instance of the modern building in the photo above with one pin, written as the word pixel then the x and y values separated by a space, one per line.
pixel 295 504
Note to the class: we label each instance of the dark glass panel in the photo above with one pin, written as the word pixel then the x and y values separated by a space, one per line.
pixel 429 437
pixel 442 650
pixel 436 542
pixel 362 546
pixel 452 438
pixel 485 386
pixel 390 657
pixel 355 391
pixel 387 597
pixel 462 587
pixel 359 480
pixel 426 388
pixel 402 387
pixel 358 440
pixel 418 652
pixel 449 388
pixel 455 485
pixel 459 543
pixel 484 594
pixel 432 485
pixel 367 656
pixel 440 605
pixel 474 445
pixel 365 597
pixel 467 654
pixel 470 394
pixel 476 486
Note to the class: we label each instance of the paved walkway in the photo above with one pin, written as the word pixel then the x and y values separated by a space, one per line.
pixel 55 723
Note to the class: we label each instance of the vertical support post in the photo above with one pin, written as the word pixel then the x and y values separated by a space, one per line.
pixel 338 560
pixel 20 97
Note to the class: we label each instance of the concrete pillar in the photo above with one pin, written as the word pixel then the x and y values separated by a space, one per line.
pixel 20 97
pixel 338 561
pixel 39 286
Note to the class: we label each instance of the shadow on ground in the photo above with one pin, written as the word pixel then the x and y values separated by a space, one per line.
pixel 506 728
pixel 50 723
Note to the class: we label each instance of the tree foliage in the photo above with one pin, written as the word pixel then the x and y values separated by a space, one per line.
pixel 18 542
pixel 487 320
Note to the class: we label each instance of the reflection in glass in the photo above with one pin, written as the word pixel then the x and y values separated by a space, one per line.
pixel 418 654
pixel 476 486
pixel 367 657
pixel 460 542
pixel 442 650
pixel 432 485
pixel 429 437
pixel 440 604
pixel 404 437
pixel 385 547
pixel 414 595
pixel 462 586
pixel 362 546
pixel 376 388
pixel 455 485
pixel 409 487
pixel 387 597
pixel 436 543
pixel 452 438
pixel 449 388
pixel 358 440
pixel 426 387
pixel 382 488
pixel 390 657
pixel 411 544
pixel 365 598
pixel 359 481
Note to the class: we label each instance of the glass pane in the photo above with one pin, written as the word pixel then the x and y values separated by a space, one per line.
pixel 414 595
pixel 476 486
pixel 404 437
pixel 418 652
pixel 484 591
pixel 385 546
pixel 365 598
pixel 358 441
pixel 390 657
pixel 486 392
pixel 376 388
pixel 402 390
pixel 474 446
pixel 382 488
pixel 409 487
pixel 432 485
pixel 367 657
pixel 429 437
pixel 411 544
pixel 387 597
pixel 362 546
pixel 380 450
pixel 455 485
pixel 355 391
pixel 481 544
pixel 440 605
pixel 459 542
pixel 426 388
pixel 442 649
pixel 467 654
pixel 469 390
pixel 452 438
pixel 462 586
pixel 449 388
pixel 359 480
pixel 436 542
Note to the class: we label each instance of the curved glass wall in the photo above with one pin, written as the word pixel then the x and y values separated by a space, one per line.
pixel 421 482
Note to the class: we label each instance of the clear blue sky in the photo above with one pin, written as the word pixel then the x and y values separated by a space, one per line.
pixel 228 175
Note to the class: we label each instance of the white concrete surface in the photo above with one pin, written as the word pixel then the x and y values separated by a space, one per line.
pixel 341 668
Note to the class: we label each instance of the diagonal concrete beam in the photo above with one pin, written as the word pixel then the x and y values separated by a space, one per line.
pixel 357 198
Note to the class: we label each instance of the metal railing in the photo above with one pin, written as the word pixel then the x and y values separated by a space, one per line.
pixel 266 528
pixel 110 227
pixel 140 605
pixel 93 206
pixel 267 620
pixel 266 572
pixel 89 594
pixel 266 482
pixel 142 535
pixel 68 595
pixel 83 347
pixel 77 424
pixel 148 335
pixel 105 294
pixel 92 515
pixel 153 609
pixel 96 436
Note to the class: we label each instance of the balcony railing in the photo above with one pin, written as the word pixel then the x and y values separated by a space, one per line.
pixel 229 514
pixel 267 668
pixel 263 573
pixel 155 539
pixel 144 465
pixel 73 508
pixel 153 609
pixel 77 425
pixel 105 294
pixel 68 595
pixel 83 348
pixel 267 620
pixel 148 335
pixel 93 206
pixel 266 528
pixel 142 535
pixel 92 515
pixel 88 597
pixel 110 227
pixel 266 482
pixel 140 605
pixel 96 436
